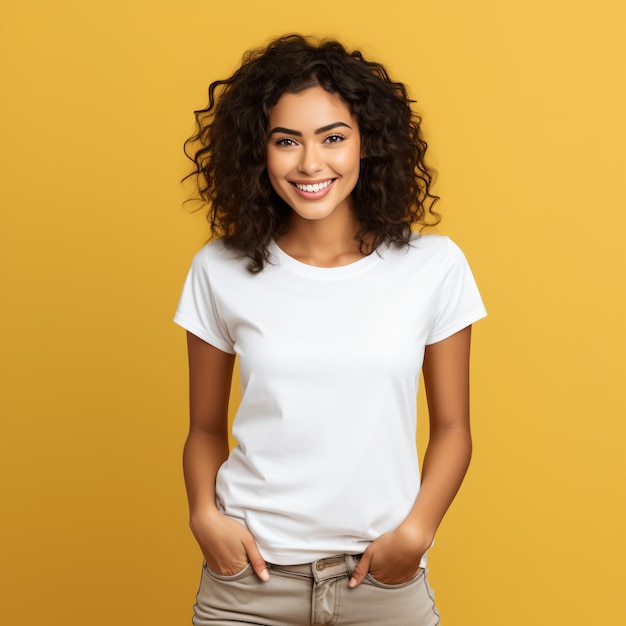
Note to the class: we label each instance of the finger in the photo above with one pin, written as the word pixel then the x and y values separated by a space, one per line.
pixel 360 570
pixel 256 560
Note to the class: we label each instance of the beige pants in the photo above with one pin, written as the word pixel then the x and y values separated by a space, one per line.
pixel 313 593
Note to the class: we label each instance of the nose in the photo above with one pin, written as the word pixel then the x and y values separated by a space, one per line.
pixel 310 159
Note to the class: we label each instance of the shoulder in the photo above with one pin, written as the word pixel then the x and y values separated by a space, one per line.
pixel 436 247
pixel 223 267
pixel 428 242
pixel 430 259
pixel 215 254
pixel 216 250
pixel 425 249
pixel 432 243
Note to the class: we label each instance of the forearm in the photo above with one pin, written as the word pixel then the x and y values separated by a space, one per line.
pixel 203 455
pixel 393 556
pixel 445 464
pixel 226 544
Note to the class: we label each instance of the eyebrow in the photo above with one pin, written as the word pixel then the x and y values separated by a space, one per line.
pixel 319 131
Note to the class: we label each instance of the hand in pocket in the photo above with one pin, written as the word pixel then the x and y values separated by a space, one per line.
pixel 391 559
pixel 228 546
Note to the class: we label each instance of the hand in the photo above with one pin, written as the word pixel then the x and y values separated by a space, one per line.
pixel 227 545
pixel 393 558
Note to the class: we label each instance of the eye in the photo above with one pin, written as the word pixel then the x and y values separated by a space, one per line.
pixel 286 142
pixel 334 138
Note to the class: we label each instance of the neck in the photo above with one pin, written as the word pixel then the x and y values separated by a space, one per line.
pixel 329 242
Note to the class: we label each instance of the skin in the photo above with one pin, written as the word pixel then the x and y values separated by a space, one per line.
pixel 321 232
pixel 394 556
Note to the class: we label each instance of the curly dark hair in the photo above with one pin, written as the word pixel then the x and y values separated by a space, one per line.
pixel 230 142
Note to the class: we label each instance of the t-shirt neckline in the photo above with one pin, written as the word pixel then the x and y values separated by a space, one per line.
pixel 323 273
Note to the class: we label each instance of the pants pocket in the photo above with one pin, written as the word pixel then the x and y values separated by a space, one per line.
pixel 246 571
pixel 417 576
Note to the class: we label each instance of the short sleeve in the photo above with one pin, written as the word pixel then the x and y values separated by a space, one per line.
pixel 197 309
pixel 459 303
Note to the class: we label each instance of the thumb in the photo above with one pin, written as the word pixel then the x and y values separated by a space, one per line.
pixel 256 560
pixel 360 570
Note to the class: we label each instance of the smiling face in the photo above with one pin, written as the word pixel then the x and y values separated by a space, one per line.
pixel 313 153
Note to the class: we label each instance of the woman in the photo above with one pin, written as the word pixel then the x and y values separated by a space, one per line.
pixel 312 165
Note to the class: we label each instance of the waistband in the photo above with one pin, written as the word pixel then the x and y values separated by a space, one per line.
pixel 322 569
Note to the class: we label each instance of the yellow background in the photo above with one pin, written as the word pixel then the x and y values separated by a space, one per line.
pixel 524 106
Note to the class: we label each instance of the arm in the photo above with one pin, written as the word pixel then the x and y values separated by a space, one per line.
pixel 394 556
pixel 226 544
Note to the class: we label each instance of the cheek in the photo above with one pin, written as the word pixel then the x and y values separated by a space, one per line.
pixel 350 163
pixel 276 174
pixel 277 164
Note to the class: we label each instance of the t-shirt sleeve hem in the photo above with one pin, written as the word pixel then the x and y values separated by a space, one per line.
pixel 215 341
pixel 459 324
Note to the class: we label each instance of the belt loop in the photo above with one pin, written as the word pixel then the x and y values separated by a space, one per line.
pixel 352 561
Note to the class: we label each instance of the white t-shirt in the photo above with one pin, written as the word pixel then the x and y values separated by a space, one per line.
pixel 329 361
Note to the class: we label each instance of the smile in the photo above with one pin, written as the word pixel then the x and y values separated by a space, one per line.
pixel 314 188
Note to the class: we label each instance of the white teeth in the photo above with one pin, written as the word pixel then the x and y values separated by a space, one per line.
pixel 315 187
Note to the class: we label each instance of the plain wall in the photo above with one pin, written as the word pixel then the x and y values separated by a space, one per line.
pixel 524 108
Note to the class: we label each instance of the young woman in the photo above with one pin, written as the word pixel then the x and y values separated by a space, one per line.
pixel 312 165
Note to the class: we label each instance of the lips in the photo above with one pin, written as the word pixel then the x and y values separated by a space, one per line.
pixel 313 190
